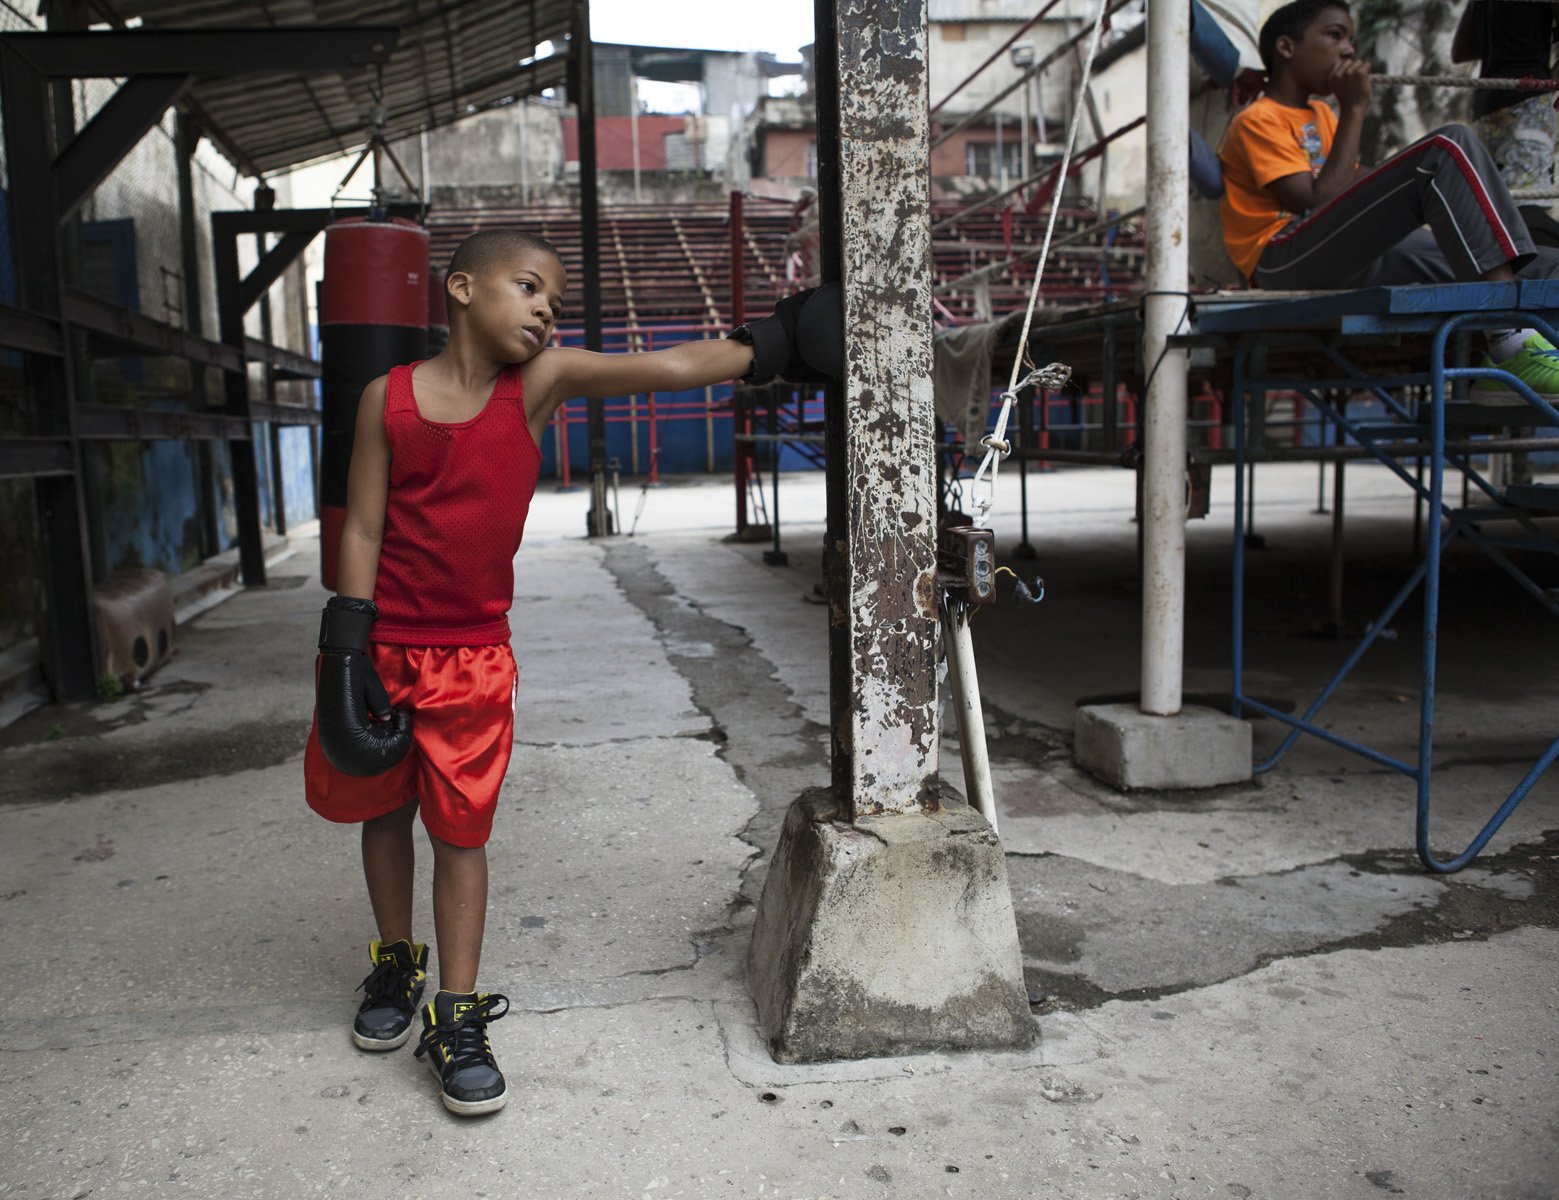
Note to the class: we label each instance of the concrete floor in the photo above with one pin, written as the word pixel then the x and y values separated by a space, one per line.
pixel 1253 992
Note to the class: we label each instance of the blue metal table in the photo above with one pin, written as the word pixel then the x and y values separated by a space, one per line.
pixel 1410 425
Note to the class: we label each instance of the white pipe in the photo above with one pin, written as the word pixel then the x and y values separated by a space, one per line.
pixel 633 126
pixel 525 153
pixel 966 706
pixel 1164 465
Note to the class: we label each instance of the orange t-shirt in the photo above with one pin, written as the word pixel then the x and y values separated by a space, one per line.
pixel 1266 141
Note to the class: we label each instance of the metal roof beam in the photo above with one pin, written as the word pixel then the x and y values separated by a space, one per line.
pixel 116 54
pixel 277 259
pixel 129 115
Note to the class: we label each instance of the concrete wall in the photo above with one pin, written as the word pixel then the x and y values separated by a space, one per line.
pixel 517 146
pixel 959 44
pixel 786 153
pixel 666 143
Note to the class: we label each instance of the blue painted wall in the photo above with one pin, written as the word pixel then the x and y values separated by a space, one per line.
pixel 149 492
pixel 297 476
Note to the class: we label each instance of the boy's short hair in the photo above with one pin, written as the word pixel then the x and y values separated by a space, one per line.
pixel 1290 21
pixel 488 246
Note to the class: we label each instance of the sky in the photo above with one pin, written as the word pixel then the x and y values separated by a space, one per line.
pixel 780 26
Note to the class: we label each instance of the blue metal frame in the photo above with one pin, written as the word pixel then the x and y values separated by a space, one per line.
pixel 1439 311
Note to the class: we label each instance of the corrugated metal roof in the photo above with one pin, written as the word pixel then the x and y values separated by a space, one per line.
pixel 454 57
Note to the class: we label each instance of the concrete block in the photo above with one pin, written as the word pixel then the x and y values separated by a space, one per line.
pixel 894 935
pixel 1127 748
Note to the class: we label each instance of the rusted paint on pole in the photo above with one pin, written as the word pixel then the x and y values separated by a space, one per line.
pixel 834 974
pixel 885 560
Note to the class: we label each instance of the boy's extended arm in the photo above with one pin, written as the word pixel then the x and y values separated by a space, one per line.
pixel 367 489
pixel 803 341
pixel 565 373
pixel 1299 193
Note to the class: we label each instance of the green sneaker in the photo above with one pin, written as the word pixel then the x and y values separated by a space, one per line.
pixel 1536 364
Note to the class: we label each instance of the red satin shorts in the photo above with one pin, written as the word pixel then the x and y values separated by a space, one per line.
pixel 462 701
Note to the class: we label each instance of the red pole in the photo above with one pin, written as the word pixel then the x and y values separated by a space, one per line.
pixel 654 444
pixel 560 431
pixel 738 262
pixel 740 450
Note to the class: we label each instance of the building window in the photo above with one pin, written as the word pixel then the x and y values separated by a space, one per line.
pixel 812 159
pixel 980 159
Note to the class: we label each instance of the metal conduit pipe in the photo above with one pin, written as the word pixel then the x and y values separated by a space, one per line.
pixel 1165 305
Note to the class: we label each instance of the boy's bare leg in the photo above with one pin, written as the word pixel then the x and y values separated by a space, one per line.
pixel 459 912
pixel 389 858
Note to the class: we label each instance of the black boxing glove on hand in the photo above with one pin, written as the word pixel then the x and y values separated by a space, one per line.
pixel 773 342
pixel 819 336
pixel 358 730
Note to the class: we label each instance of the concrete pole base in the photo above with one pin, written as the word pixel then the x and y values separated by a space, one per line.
pixel 1128 748
pixel 892 936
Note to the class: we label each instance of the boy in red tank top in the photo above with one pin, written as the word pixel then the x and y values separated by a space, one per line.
pixel 416 682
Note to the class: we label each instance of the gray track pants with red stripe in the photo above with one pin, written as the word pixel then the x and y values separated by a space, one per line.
pixel 1372 232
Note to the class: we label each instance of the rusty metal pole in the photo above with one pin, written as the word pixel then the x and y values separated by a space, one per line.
pixel 881 457
pixel 886 923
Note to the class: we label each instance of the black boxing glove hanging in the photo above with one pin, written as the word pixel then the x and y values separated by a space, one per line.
pixel 358 731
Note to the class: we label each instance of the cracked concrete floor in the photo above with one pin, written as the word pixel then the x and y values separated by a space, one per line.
pixel 1247 993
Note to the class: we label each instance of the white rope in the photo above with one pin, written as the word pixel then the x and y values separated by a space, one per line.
pixel 983 488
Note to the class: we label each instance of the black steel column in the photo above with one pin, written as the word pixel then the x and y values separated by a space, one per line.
pixel 68 632
pixel 590 253
pixel 246 480
pixel 186 136
pixel 265 200
pixel 825 87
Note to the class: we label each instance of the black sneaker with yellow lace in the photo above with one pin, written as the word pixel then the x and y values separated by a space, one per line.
pixel 454 1039
pixel 391 992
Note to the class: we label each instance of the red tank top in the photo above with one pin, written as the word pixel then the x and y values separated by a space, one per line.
pixel 454 517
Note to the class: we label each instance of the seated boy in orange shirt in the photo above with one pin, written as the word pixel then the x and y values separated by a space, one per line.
pixel 1300 214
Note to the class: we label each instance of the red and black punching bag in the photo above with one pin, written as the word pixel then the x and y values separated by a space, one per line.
pixel 373 315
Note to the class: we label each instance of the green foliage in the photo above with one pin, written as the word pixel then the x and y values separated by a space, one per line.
pixel 109 687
